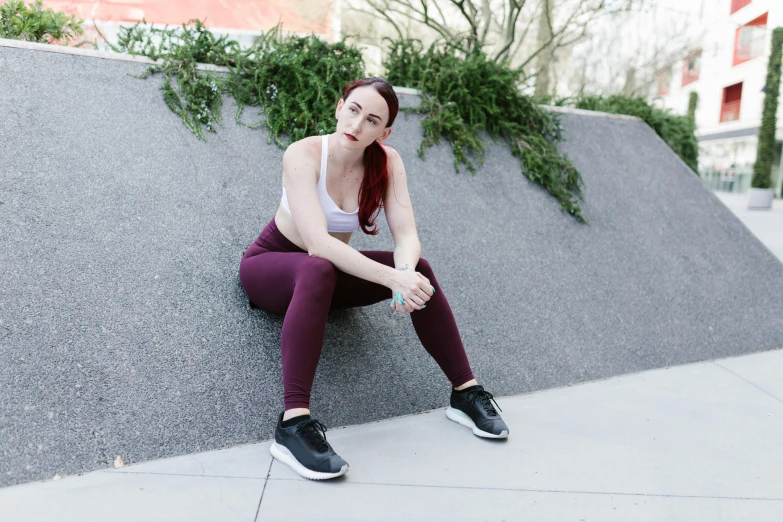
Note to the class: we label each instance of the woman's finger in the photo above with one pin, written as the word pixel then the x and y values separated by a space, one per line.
pixel 397 303
pixel 420 301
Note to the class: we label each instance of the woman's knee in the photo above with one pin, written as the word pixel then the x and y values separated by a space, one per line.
pixel 423 266
pixel 320 271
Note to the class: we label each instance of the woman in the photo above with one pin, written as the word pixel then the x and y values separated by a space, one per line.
pixel 302 266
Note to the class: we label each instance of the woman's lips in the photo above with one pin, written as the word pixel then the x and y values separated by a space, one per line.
pixel 350 137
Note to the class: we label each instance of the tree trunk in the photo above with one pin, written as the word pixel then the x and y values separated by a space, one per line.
pixel 545 57
pixel 630 81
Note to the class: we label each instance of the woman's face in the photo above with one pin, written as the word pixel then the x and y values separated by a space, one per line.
pixel 364 116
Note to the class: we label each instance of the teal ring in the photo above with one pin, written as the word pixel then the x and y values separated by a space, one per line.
pixel 398 298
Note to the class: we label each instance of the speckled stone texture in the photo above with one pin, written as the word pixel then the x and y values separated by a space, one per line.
pixel 124 330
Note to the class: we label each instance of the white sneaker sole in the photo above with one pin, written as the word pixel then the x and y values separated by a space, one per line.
pixel 285 456
pixel 462 418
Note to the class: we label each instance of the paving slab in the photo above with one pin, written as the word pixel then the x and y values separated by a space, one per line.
pixel 133 497
pixel 392 503
pixel 247 461
pixel 649 433
pixel 762 371
pixel 692 442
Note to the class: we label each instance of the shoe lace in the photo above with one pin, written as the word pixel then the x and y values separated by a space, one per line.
pixel 483 397
pixel 310 431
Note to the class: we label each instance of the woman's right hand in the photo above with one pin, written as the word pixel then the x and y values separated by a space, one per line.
pixel 414 288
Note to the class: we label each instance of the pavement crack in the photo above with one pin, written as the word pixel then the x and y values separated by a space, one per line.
pixel 749 382
pixel 269 472
pixel 566 491
pixel 199 463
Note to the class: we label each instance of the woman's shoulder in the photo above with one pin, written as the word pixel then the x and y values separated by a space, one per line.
pixel 393 158
pixel 390 151
pixel 311 145
pixel 302 156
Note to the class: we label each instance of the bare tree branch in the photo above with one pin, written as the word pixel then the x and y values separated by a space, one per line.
pixel 498 26
pixel 471 19
pixel 386 17
pixel 510 28
pixel 442 17
pixel 486 13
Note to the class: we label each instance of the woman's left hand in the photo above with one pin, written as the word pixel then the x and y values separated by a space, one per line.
pixel 397 306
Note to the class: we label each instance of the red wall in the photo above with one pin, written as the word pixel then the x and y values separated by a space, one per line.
pixel 298 16
pixel 736 5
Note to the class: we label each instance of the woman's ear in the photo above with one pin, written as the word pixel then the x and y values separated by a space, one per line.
pixel 339 106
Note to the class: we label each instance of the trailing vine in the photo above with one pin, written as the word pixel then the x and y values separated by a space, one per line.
pixel 462 95
pixel 294 81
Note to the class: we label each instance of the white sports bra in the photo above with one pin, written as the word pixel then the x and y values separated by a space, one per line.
pixel 337 220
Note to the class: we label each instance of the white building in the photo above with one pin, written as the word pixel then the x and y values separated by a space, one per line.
pixel 728 71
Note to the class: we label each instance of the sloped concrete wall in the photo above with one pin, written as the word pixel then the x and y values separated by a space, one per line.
pixel 124 330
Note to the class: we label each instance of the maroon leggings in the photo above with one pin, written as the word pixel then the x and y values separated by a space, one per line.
pixel 281 278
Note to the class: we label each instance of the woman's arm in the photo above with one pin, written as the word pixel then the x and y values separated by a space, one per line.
pixel 300 178
pixel 398 210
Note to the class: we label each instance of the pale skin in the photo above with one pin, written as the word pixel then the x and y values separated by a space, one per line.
pixel 363 115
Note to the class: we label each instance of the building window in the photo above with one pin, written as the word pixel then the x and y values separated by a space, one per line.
pixel 690 68
pixel 736 5
pixel 664 81
pixel 732 97
pixel 750 40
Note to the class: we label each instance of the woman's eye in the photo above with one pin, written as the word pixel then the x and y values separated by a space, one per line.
pixel 368 119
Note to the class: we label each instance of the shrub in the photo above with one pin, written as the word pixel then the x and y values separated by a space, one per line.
pixel 33 23
pixel 462 95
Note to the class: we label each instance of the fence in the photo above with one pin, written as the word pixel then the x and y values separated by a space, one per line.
pixel 728 180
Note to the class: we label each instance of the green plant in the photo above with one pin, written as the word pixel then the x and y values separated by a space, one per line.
pixel 33 23
pixel 675 130
pixel 693 103
pixel 762 168
pixel 295 81
pixel 464 94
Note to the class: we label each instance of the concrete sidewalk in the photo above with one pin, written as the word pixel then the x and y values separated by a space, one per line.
pixel 695 442
pixel 766 225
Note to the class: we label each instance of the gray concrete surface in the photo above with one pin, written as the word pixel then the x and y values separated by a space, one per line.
pixel 124 330
pixel 766 225
pixel 697 442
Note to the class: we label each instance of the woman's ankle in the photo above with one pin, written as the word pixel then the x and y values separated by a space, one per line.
pixel 295 412
pixel 468 384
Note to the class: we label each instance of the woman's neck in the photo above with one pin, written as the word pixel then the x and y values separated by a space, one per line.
pixel 342 159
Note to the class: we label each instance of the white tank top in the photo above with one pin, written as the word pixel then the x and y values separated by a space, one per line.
pixel 337 220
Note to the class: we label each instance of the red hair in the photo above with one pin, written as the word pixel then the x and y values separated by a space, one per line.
pixel 376 175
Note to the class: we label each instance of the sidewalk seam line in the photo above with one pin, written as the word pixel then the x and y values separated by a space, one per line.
pixel 170 474
pixel 751 383
pixel 569 492
pixel 268 472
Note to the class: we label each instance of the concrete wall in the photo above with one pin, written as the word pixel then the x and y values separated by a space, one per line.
pixel 124 330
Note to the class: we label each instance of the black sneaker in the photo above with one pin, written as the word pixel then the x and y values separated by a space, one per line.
pixel 474 410
pixel 305 450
